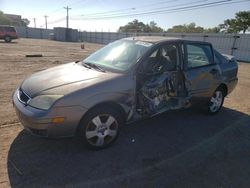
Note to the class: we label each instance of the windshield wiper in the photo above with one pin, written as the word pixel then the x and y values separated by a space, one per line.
pixel 86 65
pixel 94 66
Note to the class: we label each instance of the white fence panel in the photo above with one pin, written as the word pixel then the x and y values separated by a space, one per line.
pixel 236 45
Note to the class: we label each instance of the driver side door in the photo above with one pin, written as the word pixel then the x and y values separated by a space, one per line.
pixel 160 84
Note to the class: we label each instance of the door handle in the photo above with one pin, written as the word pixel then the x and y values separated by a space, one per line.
pixel 213 71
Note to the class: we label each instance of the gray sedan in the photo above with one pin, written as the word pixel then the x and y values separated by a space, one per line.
pixel 125 81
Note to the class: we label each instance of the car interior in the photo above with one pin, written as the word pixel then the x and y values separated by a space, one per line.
pixel 160 84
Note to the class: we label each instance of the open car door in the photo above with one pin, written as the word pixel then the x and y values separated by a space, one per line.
pixel 161 83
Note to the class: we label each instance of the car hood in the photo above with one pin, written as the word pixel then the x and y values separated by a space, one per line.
pixel 62 77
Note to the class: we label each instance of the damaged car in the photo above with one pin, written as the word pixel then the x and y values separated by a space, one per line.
pixel 127 80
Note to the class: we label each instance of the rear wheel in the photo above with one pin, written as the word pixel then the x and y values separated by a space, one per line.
pixel 100 128
pixel 216 101
pixel 7 39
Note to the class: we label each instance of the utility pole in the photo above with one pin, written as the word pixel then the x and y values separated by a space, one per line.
pixel 67 17
pixel 34 22
pixel 46 21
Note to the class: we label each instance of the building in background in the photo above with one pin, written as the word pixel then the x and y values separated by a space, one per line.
pixel 15 20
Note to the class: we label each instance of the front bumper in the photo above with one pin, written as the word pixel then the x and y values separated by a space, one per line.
pixel 39 122
pixel 231 85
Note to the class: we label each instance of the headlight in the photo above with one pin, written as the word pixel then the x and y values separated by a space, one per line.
pixel 44 102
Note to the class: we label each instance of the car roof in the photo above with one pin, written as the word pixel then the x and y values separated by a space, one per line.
pixel 152 39
pixel 6 26
pixel 159 39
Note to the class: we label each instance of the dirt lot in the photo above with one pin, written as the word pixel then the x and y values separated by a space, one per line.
pixel 176 149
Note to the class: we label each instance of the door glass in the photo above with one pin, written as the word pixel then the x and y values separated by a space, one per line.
pixel 162 59
pixel 199 55
pixel 9 29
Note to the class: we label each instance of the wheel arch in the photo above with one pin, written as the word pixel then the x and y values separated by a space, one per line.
pixel 109 104
pixel 113 105
pixel 224 88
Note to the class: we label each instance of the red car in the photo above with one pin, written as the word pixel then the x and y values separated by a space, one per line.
pixel 8 33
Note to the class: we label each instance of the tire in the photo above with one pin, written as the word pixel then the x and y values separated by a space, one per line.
pixel 7 39
pixel 216 101
pixel 100 127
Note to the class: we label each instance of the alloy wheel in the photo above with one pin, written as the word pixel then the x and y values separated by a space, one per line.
pixel 216 101
pixel 101 130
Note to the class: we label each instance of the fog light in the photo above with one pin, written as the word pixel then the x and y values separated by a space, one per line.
pixel 57 119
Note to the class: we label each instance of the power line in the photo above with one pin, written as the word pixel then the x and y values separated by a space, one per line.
pixel 108 12
pixel 157 8
pixel 58 9
pixel 164 9
pixel 56 21
pixel 179 9
pixel 54 11
pixel 120 10
pixel 131 8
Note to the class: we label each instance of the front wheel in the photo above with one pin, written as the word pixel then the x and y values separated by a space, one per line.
pixel 100 128
pixel 216 102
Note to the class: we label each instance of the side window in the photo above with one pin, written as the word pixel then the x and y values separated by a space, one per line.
pixel 9 29
pixel 162 59
pixel 154 54
pixel 199 55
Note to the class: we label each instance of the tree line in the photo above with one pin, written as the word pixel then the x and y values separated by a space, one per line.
pixel 241 23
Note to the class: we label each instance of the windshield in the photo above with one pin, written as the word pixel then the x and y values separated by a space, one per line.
pixel 118 56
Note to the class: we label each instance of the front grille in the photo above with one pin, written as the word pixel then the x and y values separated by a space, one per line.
pixel 22 96
pixel 39 132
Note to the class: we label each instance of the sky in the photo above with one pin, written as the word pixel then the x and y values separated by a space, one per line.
pixel 109 15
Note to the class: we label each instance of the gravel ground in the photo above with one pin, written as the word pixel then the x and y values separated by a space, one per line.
pixel 176 149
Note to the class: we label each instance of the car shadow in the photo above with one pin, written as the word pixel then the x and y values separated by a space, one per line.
pixel 12 42
pixel 37 162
